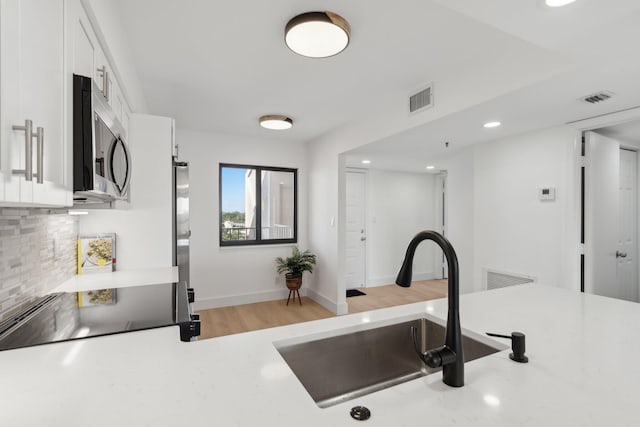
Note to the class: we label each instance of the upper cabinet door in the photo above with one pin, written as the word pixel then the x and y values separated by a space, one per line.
pixel 83 42
pixel 12 140
pixel 33 96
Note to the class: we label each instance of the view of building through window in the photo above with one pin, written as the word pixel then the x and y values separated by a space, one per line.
pixel 251 195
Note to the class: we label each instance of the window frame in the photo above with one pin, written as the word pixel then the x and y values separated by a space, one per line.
pixel 258 240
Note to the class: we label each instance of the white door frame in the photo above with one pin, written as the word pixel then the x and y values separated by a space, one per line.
pixel 364 172
pixel 581 126
pixel 441 207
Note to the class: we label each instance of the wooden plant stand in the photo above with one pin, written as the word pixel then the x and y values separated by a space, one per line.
pixel 294 292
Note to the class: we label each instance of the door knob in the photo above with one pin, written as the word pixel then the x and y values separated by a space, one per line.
pixel 621 254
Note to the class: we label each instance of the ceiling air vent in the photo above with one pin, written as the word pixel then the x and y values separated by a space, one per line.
pixel 421 100
pixel 595 98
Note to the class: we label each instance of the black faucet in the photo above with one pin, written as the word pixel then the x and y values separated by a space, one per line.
pixel 450 355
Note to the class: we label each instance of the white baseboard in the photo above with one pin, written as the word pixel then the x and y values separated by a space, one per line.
pixel 338 309
pixel 276 294
pixel 388 280
pixel 216 302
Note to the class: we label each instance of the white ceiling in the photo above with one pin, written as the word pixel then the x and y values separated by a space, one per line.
pixel 218 66
pixel 626 133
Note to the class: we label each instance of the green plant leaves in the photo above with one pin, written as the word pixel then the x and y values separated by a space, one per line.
pixel 297 263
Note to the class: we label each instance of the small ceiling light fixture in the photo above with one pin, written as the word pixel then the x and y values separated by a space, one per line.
pixel 276 122
pixel 490 125
pixel 317 34
pixel 366 162
pixel 558 3
pixel 430 167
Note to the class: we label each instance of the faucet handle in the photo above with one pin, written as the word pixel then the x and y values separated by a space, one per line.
pixel 517 345
pixel 434 358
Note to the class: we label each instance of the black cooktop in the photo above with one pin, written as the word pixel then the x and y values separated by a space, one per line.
pixel 74 315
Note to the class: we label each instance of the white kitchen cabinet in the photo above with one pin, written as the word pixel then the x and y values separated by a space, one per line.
pixel 103 74
pixel 115 100
pixel 32 91
pixel 126 118
pixel 88 58
pixel 83 42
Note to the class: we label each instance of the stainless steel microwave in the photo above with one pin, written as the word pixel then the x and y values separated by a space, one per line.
pixel 101 159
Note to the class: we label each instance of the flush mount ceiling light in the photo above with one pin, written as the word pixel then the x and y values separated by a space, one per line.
pixel 276 122
pixel 317 34
pixel 490 125
pixel 558 3
pixel 430 167
pixel 366 162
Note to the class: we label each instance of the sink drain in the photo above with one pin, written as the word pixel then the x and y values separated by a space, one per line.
pixel 360 413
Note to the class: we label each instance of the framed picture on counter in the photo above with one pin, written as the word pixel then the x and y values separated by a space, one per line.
pixel 97 254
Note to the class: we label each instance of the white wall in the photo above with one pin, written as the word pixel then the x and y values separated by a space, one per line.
pixel 513 230
pixel 236 275
pixel 143 231
pixel 399 204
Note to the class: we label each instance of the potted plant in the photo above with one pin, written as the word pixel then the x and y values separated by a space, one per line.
pixel 294 265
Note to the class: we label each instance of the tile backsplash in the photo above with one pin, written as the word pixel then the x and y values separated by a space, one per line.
pixel 38 251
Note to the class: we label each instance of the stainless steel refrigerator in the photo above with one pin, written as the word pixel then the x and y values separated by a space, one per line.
pixel 181 227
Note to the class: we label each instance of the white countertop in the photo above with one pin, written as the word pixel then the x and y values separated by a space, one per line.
pixel 583 371
pixel 119 279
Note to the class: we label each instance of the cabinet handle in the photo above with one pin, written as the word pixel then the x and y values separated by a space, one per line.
pixel 28 138
pixel 40 154
pixel 107 88
pixel 105 81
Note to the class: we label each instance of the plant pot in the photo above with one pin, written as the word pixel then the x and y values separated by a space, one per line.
pixel 294 281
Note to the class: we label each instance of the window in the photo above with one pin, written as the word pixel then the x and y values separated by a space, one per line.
pixel 251 195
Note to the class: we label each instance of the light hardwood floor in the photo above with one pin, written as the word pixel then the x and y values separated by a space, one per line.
pixel 217 322
pixel 392 295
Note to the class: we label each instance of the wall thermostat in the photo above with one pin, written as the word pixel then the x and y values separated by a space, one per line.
pixel 547 193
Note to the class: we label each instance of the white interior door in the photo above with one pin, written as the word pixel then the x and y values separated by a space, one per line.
pixel 610 219
pixel 355 229
pixel 627 255
pixel 601 213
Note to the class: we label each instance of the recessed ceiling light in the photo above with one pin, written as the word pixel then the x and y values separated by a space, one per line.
pixel 492 124
pixel 558 3
pixel 366 162
pixel 430 167
pixel 276 122
pixel 317 34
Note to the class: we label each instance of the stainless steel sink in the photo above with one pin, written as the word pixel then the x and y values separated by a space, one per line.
pixel 343 367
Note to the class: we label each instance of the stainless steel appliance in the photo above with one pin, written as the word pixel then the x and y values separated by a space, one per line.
pixel 101 160
pixel 181 226
pixel 61 317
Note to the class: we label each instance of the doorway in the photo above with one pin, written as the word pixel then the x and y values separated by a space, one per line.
pixel 355 242
pixel 610 214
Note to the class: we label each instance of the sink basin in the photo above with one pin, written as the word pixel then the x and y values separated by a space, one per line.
pixel 343 367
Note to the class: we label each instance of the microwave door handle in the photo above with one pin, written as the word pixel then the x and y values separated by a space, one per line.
pixel 127 174
pixel 121 187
